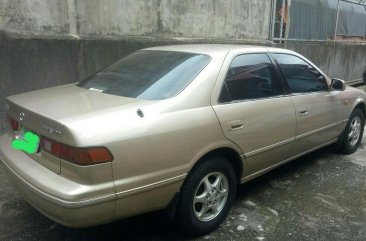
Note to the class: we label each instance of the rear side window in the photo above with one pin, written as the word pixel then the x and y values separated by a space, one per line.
pixel 149 74
pixel 250 76
pixel 301 76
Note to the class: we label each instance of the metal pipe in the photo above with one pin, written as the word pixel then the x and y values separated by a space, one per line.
pixel 336 23
pixel 274 3
pixel 283 12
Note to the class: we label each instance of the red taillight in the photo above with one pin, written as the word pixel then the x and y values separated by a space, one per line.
pixel 79 156
pixel 14 125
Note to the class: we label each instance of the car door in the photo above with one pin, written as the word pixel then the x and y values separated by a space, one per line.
pixel 253 111
pixel 319 111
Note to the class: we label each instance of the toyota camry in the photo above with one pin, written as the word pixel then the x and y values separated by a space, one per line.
pixel 175 128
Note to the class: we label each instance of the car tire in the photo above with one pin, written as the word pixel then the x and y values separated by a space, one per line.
pixel 351 137
pixel 206 196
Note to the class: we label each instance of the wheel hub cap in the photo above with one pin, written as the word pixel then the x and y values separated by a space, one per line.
pixel 210 196
pixel 354 131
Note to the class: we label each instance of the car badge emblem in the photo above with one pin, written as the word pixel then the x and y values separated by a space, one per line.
pixel 51 130
pixel 21 116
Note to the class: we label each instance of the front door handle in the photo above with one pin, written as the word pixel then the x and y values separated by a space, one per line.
pixel 303 111
pixel 235 125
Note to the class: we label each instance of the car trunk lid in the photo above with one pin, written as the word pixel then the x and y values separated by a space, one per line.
pixel 43 111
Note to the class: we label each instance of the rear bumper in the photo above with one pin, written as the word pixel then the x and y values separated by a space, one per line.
pixel 52 194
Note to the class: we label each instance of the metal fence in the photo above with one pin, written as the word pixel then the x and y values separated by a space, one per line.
pixel 318 20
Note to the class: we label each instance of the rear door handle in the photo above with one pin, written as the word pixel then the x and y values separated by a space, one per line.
pixel 235 125
pixel 303 112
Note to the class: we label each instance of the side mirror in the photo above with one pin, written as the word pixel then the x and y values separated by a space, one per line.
pixel 338 84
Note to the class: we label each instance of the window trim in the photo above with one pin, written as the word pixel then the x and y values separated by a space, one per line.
pixel 276 73
pixel 254 99
pixel 290 93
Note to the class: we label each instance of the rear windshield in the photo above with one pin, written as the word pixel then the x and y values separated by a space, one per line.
pixel 148 74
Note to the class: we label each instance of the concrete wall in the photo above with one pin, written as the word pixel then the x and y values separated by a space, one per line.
pixel 344 61
pixel 173 18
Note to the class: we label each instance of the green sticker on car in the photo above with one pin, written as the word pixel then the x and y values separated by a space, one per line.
pixel 29 143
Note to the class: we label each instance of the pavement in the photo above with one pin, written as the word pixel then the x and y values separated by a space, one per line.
pixel 362 87
pixel 321 196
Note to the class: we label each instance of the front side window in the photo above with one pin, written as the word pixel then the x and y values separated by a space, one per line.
pixel 301 76
pixel 149 74
pixel 250 76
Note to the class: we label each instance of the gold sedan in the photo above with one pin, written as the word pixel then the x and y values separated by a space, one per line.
pixel 175 127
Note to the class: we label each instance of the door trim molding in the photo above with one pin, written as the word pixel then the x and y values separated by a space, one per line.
pixel 290 140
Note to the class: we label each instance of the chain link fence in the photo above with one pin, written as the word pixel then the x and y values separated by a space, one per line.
pixel 318 20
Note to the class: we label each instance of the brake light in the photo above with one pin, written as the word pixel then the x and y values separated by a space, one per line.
pixel 14 125
pixel 79 156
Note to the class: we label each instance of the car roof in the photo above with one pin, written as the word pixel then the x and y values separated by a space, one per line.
pixel 211 49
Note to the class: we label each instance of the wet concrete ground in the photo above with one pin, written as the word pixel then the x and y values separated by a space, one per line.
pixel 321 196
pixel 363 87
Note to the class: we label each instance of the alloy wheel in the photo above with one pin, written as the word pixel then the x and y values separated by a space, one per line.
pixel 210 196
pixel 354 131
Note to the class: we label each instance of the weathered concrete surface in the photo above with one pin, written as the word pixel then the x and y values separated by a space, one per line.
pixel 117 17
pixel 34 16
pixel 199 18
pixel 202 18
pixel 211 18
pixel 319 197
